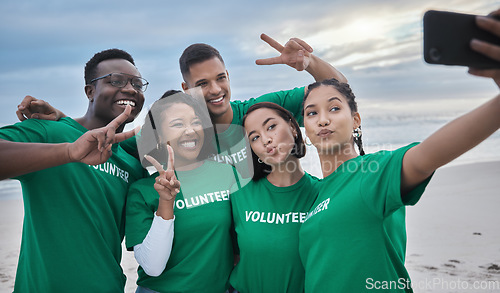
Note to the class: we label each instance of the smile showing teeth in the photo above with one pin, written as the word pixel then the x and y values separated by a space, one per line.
pixel 188 144
pixel 217 100
pixel 126 102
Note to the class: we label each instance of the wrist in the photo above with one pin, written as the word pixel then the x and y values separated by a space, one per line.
pixel 69 157
pixel 165 209
pixel 312 64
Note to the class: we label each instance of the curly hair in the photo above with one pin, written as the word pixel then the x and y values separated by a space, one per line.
pixel 91 66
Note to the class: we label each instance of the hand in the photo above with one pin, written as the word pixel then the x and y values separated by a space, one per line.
pixel 94 146
pixel 166 184
pixel 493 51
pixel 32 108
pixel 296 53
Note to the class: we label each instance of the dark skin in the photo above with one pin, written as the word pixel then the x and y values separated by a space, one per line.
pixel 93 148
pixel 105 118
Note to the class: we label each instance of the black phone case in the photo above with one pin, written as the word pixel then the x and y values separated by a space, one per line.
pixel 447 37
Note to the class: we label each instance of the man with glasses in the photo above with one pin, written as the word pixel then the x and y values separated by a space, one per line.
pixel 75 182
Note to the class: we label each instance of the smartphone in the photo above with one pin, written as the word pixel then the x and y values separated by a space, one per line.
pixel 447 37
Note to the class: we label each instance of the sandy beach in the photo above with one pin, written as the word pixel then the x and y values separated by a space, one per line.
pixel 453 234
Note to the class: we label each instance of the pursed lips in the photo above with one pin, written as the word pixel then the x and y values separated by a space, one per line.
pixel 270 149
pixel 325 132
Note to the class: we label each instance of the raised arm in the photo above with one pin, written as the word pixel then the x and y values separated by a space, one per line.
pixel 298 54
pixel 462 134
pixel 32 108
pixel 93 147
pixel 154 251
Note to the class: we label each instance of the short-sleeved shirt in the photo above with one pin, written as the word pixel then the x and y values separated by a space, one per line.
pixel 202 254
pixel 267 219
pixel 73 215
pixel 353 237
pixel 232 145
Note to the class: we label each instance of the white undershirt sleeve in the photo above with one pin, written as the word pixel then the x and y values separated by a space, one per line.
pixel 153 253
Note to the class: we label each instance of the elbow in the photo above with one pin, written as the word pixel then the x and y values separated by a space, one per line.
pixel 153 272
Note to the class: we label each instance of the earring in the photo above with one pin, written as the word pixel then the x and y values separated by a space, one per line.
pixel 356 133
pixel 306 142
pixel 259 160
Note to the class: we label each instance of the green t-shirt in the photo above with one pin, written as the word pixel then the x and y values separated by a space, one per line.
pixel 73 216
pixel 202 254
pixel 232 145
pixel 350 240
pixel 267 219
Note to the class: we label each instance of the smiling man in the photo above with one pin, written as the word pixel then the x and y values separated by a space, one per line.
pixel 75 182
pixel 202 67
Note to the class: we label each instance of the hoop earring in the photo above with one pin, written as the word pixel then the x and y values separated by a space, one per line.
pixel 259 160
pixel 306 142
pixel 356 133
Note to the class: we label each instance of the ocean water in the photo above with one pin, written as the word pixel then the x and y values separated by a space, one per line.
pixel 384 128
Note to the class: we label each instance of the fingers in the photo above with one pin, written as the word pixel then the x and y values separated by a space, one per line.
pixel 272 42
pixel 302 44
pixel 269 61
pixel 100 136
pixel 110 129
pixel 155 163
pixel 496 12
pixel 120 119
pixel 119 137
pixel 170 165
pixel 485 48
pixel 23 109
pixel 167 189
pixel 25 103
pixel 20 115
pixel 489 24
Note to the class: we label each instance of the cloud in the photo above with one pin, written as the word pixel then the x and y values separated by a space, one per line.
pixel 377 44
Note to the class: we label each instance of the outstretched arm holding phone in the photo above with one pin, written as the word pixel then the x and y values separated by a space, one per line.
pixel 493 51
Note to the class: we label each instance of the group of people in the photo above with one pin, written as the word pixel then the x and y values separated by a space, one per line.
pixel 254 223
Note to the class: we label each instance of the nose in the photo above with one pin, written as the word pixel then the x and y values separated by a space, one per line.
pixel 267 140
pixel 214 88
pixel 189 130
pixel 323 119
pixel 129 88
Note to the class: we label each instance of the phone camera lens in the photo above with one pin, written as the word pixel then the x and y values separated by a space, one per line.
pixel 435 54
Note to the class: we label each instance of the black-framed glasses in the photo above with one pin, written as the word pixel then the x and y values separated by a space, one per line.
pixel 120 80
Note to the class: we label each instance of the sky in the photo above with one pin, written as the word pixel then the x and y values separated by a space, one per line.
pixel 376 44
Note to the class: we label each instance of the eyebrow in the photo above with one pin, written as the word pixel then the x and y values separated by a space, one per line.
pixel 263 123
pixel 203 80
pixel 329 100
pixel 200 81
pixel 174 120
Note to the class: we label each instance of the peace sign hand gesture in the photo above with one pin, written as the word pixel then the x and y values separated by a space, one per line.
pixel 296 53
pixel 94 146
pixel 166 184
